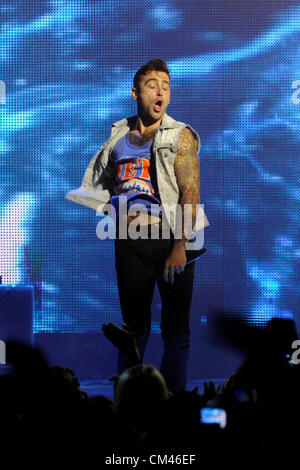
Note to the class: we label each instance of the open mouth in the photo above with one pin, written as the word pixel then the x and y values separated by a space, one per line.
pixel 158 106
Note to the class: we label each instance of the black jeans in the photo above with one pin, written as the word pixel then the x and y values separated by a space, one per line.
pixel 139 265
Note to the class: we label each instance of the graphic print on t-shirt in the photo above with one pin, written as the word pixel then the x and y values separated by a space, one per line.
pixel 135 175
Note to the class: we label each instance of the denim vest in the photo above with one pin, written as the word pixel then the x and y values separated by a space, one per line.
pixel 97 185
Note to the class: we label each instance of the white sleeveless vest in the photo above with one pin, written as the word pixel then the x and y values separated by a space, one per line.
pixel 97 185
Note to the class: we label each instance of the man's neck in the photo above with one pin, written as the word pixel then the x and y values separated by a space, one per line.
pixel 147 129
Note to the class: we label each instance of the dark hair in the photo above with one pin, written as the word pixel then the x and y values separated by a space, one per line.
pixel 140 394
pixel 153 64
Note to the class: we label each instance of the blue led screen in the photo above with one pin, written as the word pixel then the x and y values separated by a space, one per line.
pixel 66 74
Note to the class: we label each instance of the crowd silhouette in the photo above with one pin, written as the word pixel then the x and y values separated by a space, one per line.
pixel 44 412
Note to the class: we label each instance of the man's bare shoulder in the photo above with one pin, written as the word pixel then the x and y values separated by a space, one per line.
pixel 186 166
pixel 186 143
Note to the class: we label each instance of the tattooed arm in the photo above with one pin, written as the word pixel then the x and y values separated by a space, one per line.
pixel 187 173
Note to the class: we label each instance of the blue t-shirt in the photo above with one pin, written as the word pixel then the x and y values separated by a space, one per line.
pixel 136 177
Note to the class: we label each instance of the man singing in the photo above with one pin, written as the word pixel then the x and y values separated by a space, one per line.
pixel 151 159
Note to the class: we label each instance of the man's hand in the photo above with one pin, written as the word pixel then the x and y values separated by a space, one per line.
pixel 175 262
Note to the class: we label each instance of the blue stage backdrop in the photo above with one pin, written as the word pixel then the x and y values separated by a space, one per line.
pixel 66 75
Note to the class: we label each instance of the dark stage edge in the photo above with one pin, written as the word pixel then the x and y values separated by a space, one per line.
pixel 105 387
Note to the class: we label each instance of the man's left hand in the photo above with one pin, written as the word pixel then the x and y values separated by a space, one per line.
pixel 175 262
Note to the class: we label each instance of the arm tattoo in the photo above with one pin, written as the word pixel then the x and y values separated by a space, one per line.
pixel 187 173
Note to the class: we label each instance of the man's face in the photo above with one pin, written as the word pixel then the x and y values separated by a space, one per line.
pixel 153 95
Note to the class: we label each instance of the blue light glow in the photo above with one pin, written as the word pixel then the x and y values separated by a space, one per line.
pixel 68 70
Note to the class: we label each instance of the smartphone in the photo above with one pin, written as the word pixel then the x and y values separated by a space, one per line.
pixel 213 416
